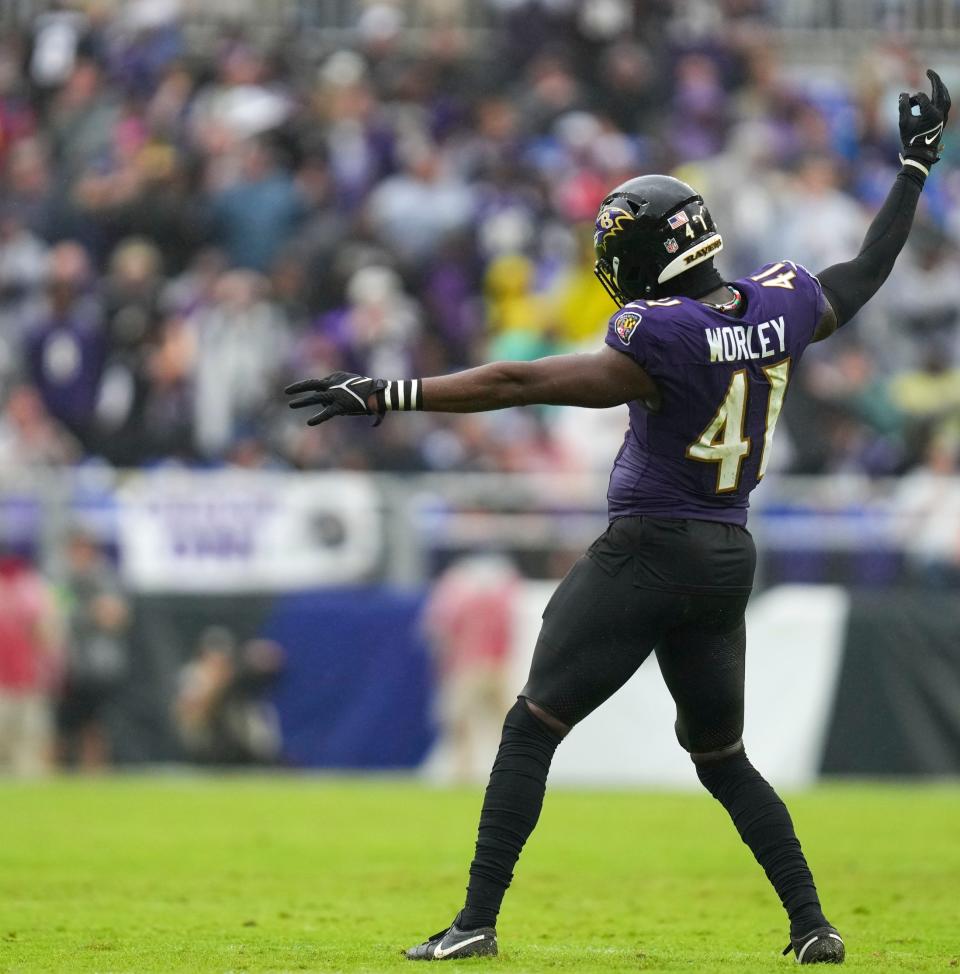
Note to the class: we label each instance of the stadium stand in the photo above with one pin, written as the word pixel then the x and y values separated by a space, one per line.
pixel 182 231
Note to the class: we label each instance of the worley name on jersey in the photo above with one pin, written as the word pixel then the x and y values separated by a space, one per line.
pixel 733 343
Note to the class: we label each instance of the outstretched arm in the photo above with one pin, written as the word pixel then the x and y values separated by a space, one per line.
pixel 849 285
pixel 595 380
pixel 592 379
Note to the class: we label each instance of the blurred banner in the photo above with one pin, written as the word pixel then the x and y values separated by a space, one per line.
pixel 220 532
pixel 356 685
pixel 897 703
pixel 838 683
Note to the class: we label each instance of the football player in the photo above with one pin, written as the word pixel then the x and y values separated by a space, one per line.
pixel 704 365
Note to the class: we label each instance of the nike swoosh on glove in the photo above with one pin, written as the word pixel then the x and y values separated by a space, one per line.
pixel 340 394
pixel 921 133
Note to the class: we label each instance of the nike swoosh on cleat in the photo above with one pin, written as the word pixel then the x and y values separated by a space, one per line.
pixel 803 949
pixel 812 941
pixel 439 952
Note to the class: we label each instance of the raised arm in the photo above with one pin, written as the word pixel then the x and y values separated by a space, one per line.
pixel 592 379
pixel 850 285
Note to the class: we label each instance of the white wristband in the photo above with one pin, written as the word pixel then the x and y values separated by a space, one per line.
pixel 917 165
pixel 403 395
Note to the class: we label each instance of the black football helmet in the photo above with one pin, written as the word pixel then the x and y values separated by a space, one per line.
pixel 649 230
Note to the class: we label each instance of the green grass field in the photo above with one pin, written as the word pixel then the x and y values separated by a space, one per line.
pixel 289 874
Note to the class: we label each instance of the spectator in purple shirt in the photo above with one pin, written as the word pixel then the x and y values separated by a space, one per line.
pixel 65 344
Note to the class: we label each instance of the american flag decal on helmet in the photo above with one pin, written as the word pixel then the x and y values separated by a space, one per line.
pixel 677 220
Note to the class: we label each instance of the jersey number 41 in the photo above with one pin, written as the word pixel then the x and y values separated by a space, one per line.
pixel 723 441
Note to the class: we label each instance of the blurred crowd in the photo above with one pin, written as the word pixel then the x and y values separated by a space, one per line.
pixel 182 230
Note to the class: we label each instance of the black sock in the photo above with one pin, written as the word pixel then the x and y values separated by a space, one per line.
pixel 764 825
pixel 511 807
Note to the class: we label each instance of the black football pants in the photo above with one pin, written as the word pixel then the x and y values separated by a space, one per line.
pixel 606 618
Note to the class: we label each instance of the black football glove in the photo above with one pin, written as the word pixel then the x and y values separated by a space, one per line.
pixel 921 134
pixel 340 393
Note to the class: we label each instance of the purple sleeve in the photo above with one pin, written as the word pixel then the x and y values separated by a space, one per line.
pixel 626 333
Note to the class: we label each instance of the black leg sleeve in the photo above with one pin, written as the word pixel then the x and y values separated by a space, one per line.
pixel 511 808
pixel 765 826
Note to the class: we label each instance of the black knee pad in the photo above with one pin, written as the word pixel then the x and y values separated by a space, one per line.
pixel 719 769
pixel 520 722
pixel 705 738
pixel 527 745
pixel 720 754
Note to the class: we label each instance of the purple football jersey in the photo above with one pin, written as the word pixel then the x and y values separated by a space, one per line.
pixel 722 380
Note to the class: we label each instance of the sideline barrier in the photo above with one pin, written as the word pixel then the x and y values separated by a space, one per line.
pixel 837 683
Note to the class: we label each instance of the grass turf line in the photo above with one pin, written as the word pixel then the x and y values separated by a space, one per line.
pixel 290 874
